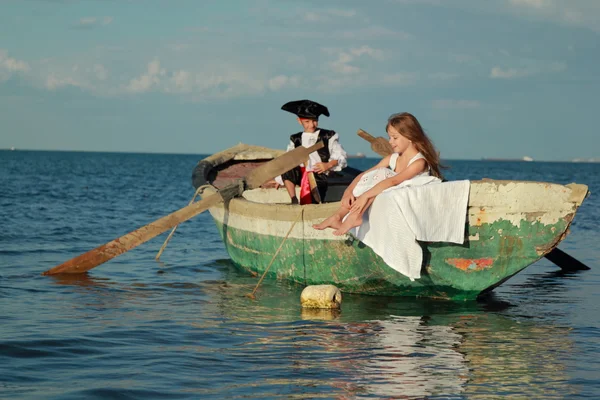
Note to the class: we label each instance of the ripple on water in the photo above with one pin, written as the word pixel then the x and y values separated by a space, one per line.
pixel 183 328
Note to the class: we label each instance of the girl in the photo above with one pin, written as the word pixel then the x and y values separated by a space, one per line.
pixel 414 156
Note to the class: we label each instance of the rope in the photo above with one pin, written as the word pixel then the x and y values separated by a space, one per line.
pixel 198 191
pixel 251 295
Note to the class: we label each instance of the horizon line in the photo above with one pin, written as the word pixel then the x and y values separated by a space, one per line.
pixel 486 159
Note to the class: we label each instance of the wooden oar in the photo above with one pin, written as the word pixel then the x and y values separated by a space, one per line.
pixel 254 179
pixel 379 145
pixel 566 262
pixel 164 246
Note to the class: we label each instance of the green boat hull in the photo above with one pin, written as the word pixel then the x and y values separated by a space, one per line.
pixel 510 225
pixel 498 247
pixel 451 272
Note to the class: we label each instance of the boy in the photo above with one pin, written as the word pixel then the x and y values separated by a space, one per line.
pixel 331 157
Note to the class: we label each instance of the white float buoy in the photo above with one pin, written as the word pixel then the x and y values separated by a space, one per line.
pixel 321 296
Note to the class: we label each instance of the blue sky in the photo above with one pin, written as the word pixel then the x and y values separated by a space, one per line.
pixel 494 78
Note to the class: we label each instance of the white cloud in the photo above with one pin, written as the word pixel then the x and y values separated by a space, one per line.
pixel 328 15
pixel 372 32
pixel 100 72
pixel 281 81
pixel 374 53
pixel 508 73
pixel 55 73
pixel 455 104
pixel 400 78
pixel 87 21
pixel 313 17
pixel 209 81
pixel 144 82
pixel 513 73
pixel 531 3
pixel 581 13
pixel 179 47
pixel 339 12
pixel 54 82
pixel 584 13
pixel 10 66
pixel 443 76
pixel 90 22
pixel 14 65
pixel 433 2
pixel 342 66
pixel 197 29
pixel 332 83
pixel 182 80
pixel 344 57
pixel 227 81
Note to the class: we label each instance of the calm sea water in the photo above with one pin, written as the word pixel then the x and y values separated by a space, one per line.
pixel 182 328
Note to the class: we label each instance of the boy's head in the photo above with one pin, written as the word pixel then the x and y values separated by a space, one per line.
pixel 308 124
pixel 307 111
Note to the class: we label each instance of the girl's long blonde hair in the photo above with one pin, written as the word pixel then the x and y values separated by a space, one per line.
pixel 407 125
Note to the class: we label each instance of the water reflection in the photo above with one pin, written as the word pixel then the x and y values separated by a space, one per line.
pixel 375 347
pixel 517 358
pixel 414 358
pixel 400 348
pixel 80 280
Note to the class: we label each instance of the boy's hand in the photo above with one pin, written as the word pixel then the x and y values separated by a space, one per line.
pixel 321 167
pixel 271 184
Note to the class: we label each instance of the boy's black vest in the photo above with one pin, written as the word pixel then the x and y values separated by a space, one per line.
pixel 324 136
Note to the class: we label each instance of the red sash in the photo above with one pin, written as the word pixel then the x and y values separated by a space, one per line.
pixel 305 196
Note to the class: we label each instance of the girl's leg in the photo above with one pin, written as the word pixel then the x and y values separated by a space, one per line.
pixel 333 221
pixel 353 219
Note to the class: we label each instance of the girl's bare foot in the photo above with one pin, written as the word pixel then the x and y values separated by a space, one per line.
pixel 332 222
pixel 353 220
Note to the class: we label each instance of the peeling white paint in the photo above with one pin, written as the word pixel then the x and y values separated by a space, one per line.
pixel 268 210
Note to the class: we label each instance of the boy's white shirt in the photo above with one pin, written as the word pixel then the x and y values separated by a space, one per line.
pixel 336 152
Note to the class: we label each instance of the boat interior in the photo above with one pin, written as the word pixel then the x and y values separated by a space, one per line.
pixel 223 174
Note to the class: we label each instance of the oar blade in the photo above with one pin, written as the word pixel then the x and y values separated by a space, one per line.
pixel 565 261
pixel 279 165
pixel 365 135
pixel 378 144
pixel 112 249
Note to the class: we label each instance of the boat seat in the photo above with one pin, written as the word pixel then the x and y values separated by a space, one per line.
pixel 338 182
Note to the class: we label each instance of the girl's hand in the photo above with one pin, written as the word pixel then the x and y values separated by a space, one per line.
pixel 347 201
pixel 359 204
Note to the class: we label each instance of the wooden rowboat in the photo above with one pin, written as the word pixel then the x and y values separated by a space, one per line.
pixel 511 224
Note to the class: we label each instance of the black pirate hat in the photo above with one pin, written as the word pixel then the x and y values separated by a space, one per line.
pixel 306 109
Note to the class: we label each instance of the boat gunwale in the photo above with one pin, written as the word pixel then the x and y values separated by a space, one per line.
pixel 560 201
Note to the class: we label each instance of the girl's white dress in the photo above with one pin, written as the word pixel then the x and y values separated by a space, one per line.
pixel 372 178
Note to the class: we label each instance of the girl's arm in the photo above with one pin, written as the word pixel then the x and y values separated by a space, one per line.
pixel 409 172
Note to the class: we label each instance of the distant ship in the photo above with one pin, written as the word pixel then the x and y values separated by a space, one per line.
pixel 12 149
pixel 357 155
pixel 525 158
